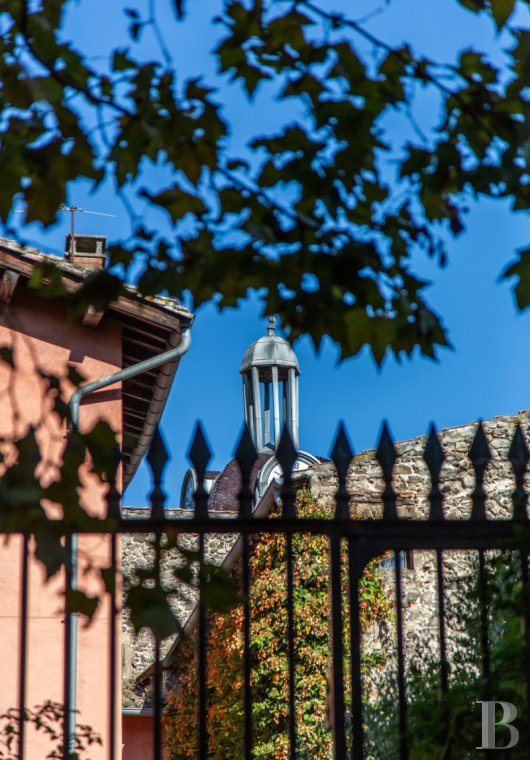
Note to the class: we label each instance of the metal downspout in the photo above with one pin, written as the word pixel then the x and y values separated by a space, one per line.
pixel 125 374
pixel 115 377
pixel 73 650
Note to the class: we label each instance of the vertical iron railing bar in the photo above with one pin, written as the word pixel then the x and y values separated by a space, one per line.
pixel 434 458
pixel 337 648
pixel 23 647
pixel 444 665
pixel 386 455
pixel 112 644
pixel 402 691
pixel 526 627
pixel 67 696
pixel 157 699
pixel 157 671
pixel 157 458
pixel 199 454
pixel 480 456
pixel 519 456
pixel 247 663
pixel 354 571
pixel 291 646
pixel 484 625
pixel 286 456
pixel 246 456
pixel 113 513
pixel 341 455
pixel 202 661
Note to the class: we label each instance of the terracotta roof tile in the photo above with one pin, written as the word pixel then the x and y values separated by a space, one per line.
pixel 223 497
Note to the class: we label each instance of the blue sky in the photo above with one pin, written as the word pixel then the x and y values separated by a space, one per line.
pixel 486 374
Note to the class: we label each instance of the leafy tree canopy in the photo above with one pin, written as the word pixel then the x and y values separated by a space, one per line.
pixel 325 216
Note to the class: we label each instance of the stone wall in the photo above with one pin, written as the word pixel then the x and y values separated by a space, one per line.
pixel 137 553
pixel 411 482
pixel 365 485
pixel 411 479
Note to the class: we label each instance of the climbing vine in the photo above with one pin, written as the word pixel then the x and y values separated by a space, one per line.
pixel 269 655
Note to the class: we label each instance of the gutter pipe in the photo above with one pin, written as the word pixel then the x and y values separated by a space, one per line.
pixel 124 374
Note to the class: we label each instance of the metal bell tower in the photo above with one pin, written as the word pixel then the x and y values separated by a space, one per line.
pixel 270 390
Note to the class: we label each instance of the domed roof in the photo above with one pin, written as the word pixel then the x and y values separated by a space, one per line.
pixel 268 351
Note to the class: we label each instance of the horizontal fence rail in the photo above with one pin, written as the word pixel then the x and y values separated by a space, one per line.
pixel 352 543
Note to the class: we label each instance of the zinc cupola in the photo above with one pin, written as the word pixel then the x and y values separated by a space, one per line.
pixel 270 374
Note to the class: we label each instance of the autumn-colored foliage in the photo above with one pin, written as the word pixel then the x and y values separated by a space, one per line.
pixel 269 656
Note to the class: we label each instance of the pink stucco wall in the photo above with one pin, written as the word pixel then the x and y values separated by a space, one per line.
pixel 41 336
pixel 137 737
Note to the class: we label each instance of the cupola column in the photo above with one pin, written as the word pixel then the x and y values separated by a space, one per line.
pixel 266 413
pixel 292 407
pixel 276 405
pixel 256 397
pixel 249 406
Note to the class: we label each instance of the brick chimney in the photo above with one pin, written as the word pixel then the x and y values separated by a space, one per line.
pixel 88 250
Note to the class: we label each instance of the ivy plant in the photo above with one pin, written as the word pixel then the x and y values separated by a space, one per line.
pixel 269 678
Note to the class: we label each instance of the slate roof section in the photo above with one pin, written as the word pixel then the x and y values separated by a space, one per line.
pixel 223 497
pixel 150 326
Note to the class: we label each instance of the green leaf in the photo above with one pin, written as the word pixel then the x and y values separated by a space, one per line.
pixel 122 62
pixel 520 269
pixel 149 608
pixel 98 290
pixel 176 202
pixel 474 65
pixel 474 5
pixel 47 279
pixel 501 11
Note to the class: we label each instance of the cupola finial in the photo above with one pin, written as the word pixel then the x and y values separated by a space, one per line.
pixel 271 327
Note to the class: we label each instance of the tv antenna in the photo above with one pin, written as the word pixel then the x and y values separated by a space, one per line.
pixel 73 211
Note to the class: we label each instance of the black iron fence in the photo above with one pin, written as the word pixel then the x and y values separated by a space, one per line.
pixel 353 543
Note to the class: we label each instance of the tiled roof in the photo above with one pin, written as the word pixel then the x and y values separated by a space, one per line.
pixel 223 497
pixel 82 271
